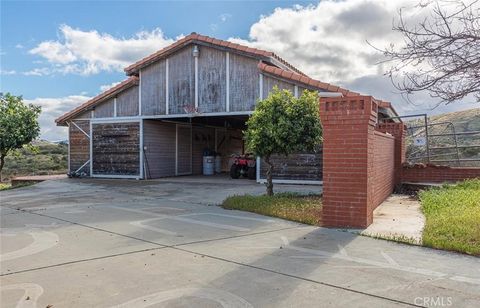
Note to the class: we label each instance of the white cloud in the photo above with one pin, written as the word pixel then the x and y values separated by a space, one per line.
pixel 7 72
pixel 19 46
pixel 105 87
pixel 328 41
pixel 53 108
pixel 224 17
pixel 43 71
pixel 91 52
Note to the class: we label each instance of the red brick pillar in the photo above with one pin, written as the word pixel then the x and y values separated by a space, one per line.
pixel 398 131
pixel 348 140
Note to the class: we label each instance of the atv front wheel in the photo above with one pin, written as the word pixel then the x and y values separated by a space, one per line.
pixel 234 172
pixel 252 173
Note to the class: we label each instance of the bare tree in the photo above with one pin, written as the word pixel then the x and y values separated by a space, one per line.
pixel 441 53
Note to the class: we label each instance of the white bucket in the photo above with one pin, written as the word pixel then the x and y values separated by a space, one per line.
pixel 218 164
pixel 208 165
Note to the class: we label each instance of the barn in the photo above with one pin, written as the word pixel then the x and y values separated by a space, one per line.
pixel 192 96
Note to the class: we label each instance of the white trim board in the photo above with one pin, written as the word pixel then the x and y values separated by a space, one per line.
pixel 170 116
pixel 115 176
pixel 300 182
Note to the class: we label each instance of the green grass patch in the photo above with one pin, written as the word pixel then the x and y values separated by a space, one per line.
pixel 5 186
pixel 453 217
pixel 295 207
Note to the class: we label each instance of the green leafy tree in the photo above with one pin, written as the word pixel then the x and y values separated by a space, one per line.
pixel 18 125
pixel 283 124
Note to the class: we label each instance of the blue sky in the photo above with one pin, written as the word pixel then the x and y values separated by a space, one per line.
pixel 59 54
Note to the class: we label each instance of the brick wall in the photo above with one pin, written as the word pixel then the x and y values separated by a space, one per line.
pixel 383 167
pixel 348 133
pixel 398 131
pixel 437 174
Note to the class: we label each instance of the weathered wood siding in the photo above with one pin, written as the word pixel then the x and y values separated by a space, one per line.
pixel 105 109
pixel 229 143
pixel 270 82
pixel 127 102
pixel 79 146
pixel 84 115
pixel 244 83
pixel 184 149
pixel 159 145
pixel 211 80
pixel 152 81
pixel 302 166
pixel 181 80
pixel 202 138
pixel 115 148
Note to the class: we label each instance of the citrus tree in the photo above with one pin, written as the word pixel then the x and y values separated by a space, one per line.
pixel 18 125
pixel 283 124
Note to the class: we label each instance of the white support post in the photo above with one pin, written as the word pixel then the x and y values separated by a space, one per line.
pixel 68 124
pixel 227 106
pixel 115 107
pixel 176 149
pixel 140 93
pixel 196 83
pixel 92 113
pixel 166 86
pixel 261 86
pixel 257 165
pixel 142 167
pixel 295 89
pixel 91 149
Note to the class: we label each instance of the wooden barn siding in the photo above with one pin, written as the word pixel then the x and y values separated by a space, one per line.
pixel 211 80
pixel 302 166
pixel 244 83
pixel 84 115
pixel 127 102
pixel 115 148
pixel 270 82
pixel 184 150
pixel 181 80
pixel 153 83
pixel 105 109
pixel 159 140
pixel 79 146
pixel 202 138
pixel 229 143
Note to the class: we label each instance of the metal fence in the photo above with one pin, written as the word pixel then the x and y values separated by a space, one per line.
pixel 442 142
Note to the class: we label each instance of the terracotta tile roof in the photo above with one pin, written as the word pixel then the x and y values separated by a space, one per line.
pixel 273 70
pixel 131 81
pixel 194 37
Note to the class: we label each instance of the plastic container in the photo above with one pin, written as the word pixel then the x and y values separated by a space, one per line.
pixel 218 164
pixel 208 165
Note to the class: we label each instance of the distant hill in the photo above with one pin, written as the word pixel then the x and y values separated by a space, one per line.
pixel 442 147
pixel 46 158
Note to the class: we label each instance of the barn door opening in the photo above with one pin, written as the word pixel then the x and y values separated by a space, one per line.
pixel 183 150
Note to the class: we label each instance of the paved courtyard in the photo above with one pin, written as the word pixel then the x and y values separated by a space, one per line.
pixel 105 243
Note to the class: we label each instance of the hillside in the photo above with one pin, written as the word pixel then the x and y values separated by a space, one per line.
pixel 46 158
pixel 463 121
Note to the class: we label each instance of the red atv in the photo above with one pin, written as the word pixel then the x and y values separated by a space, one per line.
pixel 244 165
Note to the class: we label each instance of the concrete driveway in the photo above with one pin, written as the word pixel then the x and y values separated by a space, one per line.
pixel 84 243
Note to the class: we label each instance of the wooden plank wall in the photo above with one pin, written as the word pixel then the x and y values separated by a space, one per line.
pixel 153 83
pixel 159 145
pixel 184 149
pixel 202 137
pixel 302 166
pixel 127 102
pixel 181 80
pixel 105 110
pixel 244 83
pixel 229 143
pixel 211 80
pixel 269 83
pixel 79 146
pixel 115 148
